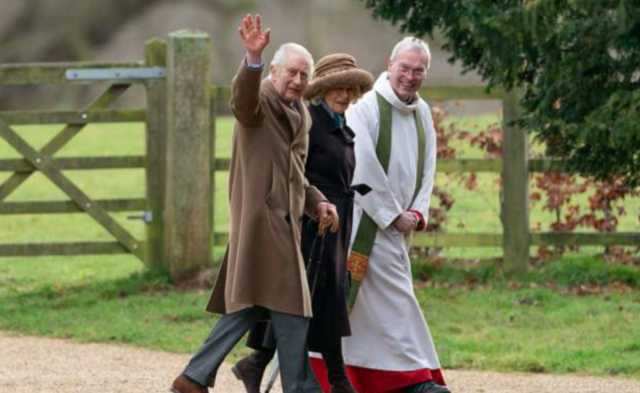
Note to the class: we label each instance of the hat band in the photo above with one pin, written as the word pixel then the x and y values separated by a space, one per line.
pixel 336 71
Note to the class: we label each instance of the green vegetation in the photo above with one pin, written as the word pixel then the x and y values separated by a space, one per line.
pixel 577 64
pixel 101 299
pixel 568 272
pixel 478 318
pixel 577 315
pixel 535 330
pixel 476 210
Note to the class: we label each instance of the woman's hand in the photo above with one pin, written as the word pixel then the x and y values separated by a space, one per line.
pixel 254 38
pixel 328 216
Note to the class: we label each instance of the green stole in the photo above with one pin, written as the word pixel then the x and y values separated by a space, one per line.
pixel 358 259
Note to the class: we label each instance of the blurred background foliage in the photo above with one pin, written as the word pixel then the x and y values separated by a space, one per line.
pixel 577 61
pixel 116 30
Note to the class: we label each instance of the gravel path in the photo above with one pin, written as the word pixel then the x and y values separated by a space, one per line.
pixel 29 364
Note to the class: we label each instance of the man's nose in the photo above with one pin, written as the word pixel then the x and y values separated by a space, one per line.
pixel 298 80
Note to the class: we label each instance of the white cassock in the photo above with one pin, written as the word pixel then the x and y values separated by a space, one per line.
pixel 390 346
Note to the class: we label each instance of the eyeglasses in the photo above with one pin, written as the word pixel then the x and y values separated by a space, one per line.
pixel 416 72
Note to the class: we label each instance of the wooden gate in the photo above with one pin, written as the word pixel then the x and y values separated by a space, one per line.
pixel 178 207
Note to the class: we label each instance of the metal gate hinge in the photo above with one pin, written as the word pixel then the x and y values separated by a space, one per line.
pixel 147 217
pixel 99 74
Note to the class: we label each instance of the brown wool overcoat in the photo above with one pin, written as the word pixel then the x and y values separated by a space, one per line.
pixel 268 193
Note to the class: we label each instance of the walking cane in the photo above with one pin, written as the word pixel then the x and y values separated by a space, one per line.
pixel 275 363
pixel 273 373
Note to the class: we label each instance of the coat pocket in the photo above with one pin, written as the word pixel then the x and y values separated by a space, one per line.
pixel 274 195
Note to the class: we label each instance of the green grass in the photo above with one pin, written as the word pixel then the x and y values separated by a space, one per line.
pixel 569 316
pixel 479 320
pixel 101 299
pixel 568 272
pixel 535 330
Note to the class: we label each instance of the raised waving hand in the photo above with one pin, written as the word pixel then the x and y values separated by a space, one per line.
pixel 254 38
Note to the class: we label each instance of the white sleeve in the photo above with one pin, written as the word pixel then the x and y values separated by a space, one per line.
pixel 423 199
pixel 380 204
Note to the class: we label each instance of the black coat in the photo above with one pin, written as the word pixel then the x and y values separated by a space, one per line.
pixel 329 167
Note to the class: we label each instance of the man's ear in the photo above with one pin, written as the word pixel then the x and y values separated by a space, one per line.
pixel 389 65
pixel 273 71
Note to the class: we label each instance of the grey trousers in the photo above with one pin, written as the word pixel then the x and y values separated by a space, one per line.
pixel 291 337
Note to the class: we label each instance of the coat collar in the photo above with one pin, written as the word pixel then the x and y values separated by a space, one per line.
pixel 345 131
pixel 298 118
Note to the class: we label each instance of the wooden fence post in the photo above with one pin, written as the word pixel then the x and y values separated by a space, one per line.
pixel 188 187
pixel 212 163
pixel 156 153
pixel 515 177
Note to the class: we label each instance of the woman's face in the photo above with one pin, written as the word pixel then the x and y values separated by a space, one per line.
pixel 338 99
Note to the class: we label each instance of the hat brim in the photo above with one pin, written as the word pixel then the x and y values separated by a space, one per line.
pixel 341 79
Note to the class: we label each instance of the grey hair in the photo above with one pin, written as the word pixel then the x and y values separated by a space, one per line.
pixel 290 47
pixel 412 43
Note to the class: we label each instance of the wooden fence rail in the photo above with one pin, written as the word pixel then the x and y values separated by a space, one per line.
pixel 110 205
pixel 515 167
pixel 74 117
pixel 77 163
pixel 55 73
pixel 44 249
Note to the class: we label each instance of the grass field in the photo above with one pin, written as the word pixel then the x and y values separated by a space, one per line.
pixel 479 320
pixel 492 324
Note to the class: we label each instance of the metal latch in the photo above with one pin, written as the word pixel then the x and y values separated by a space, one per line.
pixel 147 217
pixel 100 74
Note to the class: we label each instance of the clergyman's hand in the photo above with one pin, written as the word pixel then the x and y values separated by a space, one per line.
pixel 254 38
pixel 328 217
pixel 406 222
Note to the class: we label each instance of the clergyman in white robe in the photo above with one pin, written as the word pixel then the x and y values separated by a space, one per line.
pixel 391 346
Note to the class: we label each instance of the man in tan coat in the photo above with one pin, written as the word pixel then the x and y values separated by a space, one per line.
pixel 263 272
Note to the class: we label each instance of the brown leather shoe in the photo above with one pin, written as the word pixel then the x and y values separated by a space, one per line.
pixel 250 370
pixel 182 384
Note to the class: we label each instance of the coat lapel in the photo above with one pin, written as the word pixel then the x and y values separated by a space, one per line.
pixel 305 122
pixel 293 116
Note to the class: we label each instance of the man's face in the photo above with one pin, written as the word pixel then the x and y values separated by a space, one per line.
pixel 407 72
pixel 292 78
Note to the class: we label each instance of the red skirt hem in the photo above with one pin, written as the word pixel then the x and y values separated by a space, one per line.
pixel 367 380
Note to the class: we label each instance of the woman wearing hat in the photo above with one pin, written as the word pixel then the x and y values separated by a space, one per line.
pixel 337 83
pixel 330 165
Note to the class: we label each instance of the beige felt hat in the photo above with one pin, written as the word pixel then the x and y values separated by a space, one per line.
pixel 336 71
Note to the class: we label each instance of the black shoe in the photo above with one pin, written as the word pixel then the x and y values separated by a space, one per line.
pixel 427 387
pixel 336 372
pixel 251 369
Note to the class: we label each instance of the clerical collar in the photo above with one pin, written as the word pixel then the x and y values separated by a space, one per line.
pixel 410 100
